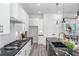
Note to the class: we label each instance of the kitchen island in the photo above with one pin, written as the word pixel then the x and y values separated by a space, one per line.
pixel 55 47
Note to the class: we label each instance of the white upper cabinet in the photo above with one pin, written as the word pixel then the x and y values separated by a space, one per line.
pixel 23 16
pixel 14 10
pixel 19 15
pixel 4 18
pixel 14 13
pixel 27 22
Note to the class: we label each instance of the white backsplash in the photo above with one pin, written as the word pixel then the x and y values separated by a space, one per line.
pixel 5 39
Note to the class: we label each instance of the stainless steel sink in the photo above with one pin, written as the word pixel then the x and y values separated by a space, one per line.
pixel 59 44
pixel 60 49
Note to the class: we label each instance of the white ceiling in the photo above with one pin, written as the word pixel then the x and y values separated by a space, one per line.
pixel 33 8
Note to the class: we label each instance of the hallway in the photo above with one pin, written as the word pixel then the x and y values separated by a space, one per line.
pixel 38 50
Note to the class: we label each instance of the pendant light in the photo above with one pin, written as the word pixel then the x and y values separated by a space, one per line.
pixel 57 4
pixel 63 21
pixel 78 10
pixel 77 17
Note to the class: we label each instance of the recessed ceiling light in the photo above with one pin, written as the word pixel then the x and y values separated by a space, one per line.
pixel 39 11
pixel 38 4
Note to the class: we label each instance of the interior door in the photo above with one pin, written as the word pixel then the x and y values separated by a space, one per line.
pixel 33 32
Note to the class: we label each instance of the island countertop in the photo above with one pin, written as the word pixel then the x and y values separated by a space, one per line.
pixel 54 39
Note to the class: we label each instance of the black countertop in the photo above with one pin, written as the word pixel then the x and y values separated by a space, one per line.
pixel 13 52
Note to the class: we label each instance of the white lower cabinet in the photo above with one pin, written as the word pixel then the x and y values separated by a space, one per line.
pixel 25 51
pixel 21 53
pixel 28 48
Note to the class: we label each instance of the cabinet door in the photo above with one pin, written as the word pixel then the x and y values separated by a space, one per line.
pixel 21 53
pixel 14 10
pixel 25 51
pixel 47 46
pixel 27 22
pixel 28 48
pixel 4 18
pixel 23 16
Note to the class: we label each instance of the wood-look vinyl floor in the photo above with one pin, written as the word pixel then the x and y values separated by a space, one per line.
pixel 38 50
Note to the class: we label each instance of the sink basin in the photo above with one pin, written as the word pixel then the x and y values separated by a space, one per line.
pixel 59 44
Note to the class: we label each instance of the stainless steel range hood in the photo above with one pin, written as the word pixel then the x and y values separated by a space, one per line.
pixel 14 20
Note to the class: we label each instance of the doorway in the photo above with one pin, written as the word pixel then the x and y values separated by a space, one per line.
pixel 33 32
